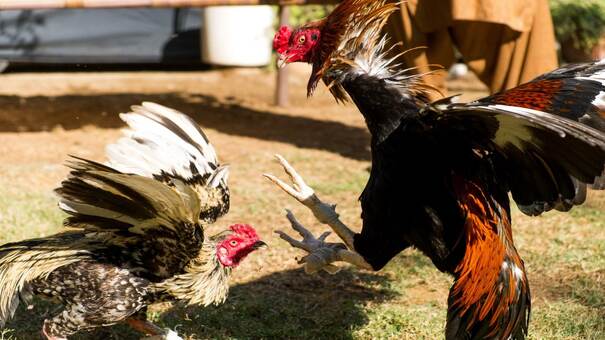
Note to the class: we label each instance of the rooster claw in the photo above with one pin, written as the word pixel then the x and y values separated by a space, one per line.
pixel 320 253
pixel 298 189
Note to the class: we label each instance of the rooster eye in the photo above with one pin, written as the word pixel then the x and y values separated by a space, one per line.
pixel 301 39
pixel 233 243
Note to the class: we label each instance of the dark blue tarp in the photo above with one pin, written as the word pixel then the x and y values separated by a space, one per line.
pixel 101 35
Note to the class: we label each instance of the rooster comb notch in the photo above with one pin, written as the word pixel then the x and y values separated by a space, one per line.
pixel 244 230
pixel 281 39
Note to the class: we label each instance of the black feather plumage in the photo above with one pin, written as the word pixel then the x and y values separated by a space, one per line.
pixel 441 172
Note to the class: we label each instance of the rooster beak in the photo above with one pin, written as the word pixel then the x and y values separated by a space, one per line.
pixel 282 60
pixel 259 244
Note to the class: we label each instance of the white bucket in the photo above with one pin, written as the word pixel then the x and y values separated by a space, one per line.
pixel 237 35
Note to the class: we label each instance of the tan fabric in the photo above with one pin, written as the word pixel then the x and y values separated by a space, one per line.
pixel 504 42
pixel 433 15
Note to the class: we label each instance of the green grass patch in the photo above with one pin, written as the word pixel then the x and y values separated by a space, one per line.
pixel 26 214
pixel 564 254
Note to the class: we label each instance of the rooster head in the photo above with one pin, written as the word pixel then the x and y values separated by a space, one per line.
pixel 242 240
pixel 337 37
pixel 298 45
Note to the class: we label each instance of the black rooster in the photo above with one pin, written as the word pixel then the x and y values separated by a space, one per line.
pixel 136 232
pixel 441 172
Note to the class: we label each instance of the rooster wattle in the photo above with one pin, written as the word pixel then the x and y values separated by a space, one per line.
pixel 136 232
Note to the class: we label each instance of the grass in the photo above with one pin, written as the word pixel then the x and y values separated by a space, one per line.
pixel 271 298
pixel 25 214
pixel 564 255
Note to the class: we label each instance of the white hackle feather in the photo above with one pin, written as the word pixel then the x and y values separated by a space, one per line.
pixel 203 283
pixel 363 50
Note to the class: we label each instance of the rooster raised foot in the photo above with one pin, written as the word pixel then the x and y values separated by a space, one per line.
pixel 321 253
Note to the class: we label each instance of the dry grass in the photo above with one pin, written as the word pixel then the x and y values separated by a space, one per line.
pixel 271 297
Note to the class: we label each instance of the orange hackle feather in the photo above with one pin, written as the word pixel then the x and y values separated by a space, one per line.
pixel 484 251
pixel 346 22
pixel 488 238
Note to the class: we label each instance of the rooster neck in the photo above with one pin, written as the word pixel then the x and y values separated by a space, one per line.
pixel 353 58
pixel 205 281
pixel 385 108
pixel 347 22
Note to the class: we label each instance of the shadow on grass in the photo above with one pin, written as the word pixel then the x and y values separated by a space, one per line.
pixel 282 305
pixel 288 304
pixel 43 113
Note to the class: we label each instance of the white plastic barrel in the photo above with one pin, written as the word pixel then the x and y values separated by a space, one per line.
pixel 237 35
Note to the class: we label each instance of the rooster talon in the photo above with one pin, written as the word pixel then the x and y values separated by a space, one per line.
pixel 298 189
pixel 294 243
pixel 323 236
pixel 285 187
pixel 332 269
pixel 314 263
pixel 296 178
pixel 304 232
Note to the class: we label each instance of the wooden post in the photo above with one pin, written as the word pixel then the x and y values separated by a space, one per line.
pixel 281 91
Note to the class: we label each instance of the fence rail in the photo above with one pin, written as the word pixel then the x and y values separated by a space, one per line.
pixel 38 4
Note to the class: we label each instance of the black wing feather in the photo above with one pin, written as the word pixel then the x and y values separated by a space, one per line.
pixel 550 134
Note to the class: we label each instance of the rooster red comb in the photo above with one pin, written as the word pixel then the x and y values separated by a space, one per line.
pixel 244 230
pixel 281 39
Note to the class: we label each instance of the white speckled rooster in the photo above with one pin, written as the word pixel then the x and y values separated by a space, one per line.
pixel 136 232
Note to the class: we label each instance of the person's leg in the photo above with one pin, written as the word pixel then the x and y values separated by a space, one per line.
pixel 426 49
pixel 503 58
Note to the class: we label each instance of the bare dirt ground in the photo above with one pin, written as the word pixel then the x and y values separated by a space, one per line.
pixel 46 116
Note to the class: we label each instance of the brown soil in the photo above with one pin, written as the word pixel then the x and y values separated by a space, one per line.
pixel 46 116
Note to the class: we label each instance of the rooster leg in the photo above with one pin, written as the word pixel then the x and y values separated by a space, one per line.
pixel 154 332
pixel 325 213
pixel 144 326
pixel 321 253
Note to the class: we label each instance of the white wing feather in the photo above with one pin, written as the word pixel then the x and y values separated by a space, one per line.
pixel 162 140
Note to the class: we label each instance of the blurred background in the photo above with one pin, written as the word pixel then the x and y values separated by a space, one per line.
pixel 67 73
pixel 211 36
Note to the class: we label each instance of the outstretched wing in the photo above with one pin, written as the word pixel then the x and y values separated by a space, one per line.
pixel 549 134
pixel 158 224
pixel 167 145
pixel 574 91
